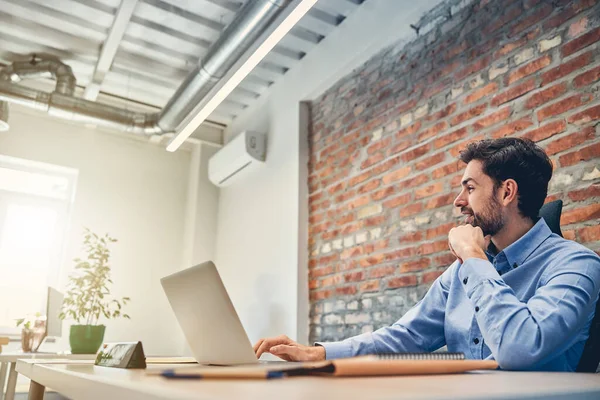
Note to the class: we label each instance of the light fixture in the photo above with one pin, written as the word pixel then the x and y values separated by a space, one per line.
pixel 236 78
pixel 4 116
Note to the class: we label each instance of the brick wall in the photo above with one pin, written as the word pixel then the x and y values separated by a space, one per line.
pixel 384 142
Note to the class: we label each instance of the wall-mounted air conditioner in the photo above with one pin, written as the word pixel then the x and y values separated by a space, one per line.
pixel 236 159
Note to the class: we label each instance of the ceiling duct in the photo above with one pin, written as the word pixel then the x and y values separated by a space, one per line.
pixel 250 22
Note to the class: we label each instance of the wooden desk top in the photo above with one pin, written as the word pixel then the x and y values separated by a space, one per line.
pixel 18 355
pixel 86 381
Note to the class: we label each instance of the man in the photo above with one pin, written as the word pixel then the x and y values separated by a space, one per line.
pixel 527 302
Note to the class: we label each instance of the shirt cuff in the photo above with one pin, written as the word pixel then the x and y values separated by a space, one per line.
pixel 475 271
pixel 335 350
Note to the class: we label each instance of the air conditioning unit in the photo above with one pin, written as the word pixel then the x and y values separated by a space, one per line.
pixel 243 154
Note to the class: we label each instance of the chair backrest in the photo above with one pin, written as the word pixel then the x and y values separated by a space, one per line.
pixel 591 352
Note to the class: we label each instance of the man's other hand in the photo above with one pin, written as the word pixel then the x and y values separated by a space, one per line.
pixel 286 349
pixel 467 241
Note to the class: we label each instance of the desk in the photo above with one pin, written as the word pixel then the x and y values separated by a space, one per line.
pixel 89 382
pixel 8 363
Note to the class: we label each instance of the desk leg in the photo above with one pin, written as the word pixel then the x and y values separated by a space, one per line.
pixel 3 368
pixel 12 382
pixel 36 391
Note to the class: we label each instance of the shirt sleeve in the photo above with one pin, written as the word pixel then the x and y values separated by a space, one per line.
pixel 522 335
pixel 421 329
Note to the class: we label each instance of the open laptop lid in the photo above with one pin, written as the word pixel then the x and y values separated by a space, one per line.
pixel 206 315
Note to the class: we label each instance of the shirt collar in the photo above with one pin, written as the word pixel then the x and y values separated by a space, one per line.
pixel 519 251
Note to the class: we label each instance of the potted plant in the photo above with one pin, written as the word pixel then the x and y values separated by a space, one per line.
pixel 87 298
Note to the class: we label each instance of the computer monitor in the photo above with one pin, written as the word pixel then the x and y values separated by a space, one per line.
pixel 53 307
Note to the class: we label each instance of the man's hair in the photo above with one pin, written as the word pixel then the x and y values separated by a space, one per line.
pixel 518 159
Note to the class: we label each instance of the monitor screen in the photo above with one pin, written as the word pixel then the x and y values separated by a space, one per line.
pixel 53 306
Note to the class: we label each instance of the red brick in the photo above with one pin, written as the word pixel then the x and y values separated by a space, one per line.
pixel 386 166
pixel 316 218
pixel 514 92
pixel 383 193
pixel 440 201
pixel 562 106
pixel 585 116
pixel 511 15
pixel 397 201
pixel 345 219
pixel 345 290
pixel 433 131
pixel 336 188
pixel 405 107
pixel 411 210
pixel 513 127
pixel 381 144
pixel 428 162
pixel 358 202
pixel 369 286
pixel 567 13
pixel 323 271
pixel 492 119
pixel 330 281
pixel 417 265
pixel 445 170
pixel 473 68
pixel 345 196
pixel 589 234
pixel 414 181
pixel 403 145
pixel 349 138
pixel 441 230
pixel 591 212
pixel 435 247
pixel 380 272
pixel 569 234
pixel 313 284
pixel 546 131
pixel 430 276
pixel 480 93
pixel 540 13
pixel 328 259
pixel 566 68
pixel 587 153
pixel 369 186
pixel 411 237
pixel 400 254
pixel 544 96
pixel 415 153
pixel 450 138
pixel 429 190
pixel 371 260
pixel 396 175
pixel 445 259
pixel 584 194
pixel 402 281
pixel 431 91
pixel 443 113
pixel 467 115
pixel 581 42
pixel 528 69
pixel 570 141
pixel 409 130
pixel 587 78
pixel 320 295
pixel 509 47
pixel 374 159
pixel 354 276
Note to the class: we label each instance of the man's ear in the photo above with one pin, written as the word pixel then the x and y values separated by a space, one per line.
pixel 509 194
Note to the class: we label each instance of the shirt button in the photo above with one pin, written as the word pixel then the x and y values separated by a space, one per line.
pixel 476 341
pixel 476 309
pixel 465 280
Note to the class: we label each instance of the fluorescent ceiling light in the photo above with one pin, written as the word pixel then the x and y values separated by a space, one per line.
pixel 261 52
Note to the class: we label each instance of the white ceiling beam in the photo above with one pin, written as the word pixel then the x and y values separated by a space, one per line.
pixel 110 47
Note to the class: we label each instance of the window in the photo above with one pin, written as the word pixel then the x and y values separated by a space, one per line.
pixel 35 204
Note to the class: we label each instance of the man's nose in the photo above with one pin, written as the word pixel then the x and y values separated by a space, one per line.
pixel 460 200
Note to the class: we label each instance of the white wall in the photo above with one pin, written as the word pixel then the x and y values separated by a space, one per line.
pixel 258 242
pixel 132 189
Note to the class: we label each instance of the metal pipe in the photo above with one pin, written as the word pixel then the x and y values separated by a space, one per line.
pixel 251 21
pixel 62 73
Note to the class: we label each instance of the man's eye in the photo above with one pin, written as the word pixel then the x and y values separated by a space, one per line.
pixel 470 189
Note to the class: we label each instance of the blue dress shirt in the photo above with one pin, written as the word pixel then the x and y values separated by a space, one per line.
pixel 529 308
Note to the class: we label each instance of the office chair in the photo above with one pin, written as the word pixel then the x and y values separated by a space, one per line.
pixel 591 352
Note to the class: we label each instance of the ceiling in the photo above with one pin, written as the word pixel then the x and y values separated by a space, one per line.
pixel 161 42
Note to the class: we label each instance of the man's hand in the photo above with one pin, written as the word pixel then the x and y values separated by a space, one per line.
pixel 286 349
pixel 467 241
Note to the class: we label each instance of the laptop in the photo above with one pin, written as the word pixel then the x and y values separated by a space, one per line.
pixel 206 315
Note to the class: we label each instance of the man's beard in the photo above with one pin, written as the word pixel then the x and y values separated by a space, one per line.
pixel 490 219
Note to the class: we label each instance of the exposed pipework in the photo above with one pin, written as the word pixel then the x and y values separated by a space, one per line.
pixel 250 22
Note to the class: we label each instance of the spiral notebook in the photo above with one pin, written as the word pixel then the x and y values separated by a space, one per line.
pixel 377 365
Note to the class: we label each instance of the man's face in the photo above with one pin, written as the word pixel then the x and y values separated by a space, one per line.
pixel 478 200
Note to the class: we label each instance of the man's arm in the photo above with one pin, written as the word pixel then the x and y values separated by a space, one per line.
pixel 421 329
pixel 522 335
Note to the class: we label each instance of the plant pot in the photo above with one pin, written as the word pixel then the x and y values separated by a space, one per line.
pixel 86 339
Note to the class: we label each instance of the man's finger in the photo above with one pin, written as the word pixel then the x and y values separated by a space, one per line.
pixel 284 350
pixel 257 344
pixel 266 345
